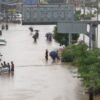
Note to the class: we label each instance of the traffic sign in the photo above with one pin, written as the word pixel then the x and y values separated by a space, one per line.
pixel 72 27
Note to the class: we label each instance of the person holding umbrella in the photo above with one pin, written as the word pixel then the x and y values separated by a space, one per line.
pixel 37 33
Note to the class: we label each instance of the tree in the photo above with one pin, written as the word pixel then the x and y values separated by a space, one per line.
pixel 88 62
pixel 63 39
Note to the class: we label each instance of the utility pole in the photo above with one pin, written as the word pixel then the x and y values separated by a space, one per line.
pixel 97 25
pixel 84 15
pixel 90 37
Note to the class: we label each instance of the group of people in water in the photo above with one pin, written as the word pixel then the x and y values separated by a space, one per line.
pixel 8 65
pixel 4 26
pixel 36 35
pixel 53 54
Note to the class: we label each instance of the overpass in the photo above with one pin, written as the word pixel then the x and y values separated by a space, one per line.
pixel 60 14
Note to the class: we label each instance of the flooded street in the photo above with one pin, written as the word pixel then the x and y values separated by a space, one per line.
pixel 34 78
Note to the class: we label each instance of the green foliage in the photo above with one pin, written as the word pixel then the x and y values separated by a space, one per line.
pixel 73 52
pixel 88 62
pixel 63 39
pixel 94 52
pixel 91 77
pixel 60 38
pixel 79 16
pixel 75 37
pixel 86 17
pixel 68 54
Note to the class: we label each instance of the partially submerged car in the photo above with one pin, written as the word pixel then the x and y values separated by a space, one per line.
pixel 3 41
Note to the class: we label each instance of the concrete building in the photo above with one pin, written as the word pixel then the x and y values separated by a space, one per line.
pixel 74 2
pixel 79 2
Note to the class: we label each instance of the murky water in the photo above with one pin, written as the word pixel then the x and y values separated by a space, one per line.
pixel 34 79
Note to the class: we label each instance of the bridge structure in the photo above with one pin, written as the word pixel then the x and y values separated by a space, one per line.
pixel 61 14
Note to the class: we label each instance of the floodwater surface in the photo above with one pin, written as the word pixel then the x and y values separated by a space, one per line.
pixel 34 78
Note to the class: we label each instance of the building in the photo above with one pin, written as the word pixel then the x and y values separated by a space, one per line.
pixel 78 3
pixel 74 2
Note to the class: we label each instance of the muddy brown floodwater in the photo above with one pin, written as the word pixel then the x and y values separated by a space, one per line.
pixel 34 78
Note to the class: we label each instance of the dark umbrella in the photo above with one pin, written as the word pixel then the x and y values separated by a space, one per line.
pixel 31 29
pixel 48 34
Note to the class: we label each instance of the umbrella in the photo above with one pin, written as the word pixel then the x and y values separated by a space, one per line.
pixel 48 33
pixel 31 29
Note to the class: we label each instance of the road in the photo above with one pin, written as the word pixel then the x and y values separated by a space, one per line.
pixel 34 78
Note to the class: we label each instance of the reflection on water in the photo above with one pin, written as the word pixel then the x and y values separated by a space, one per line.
pixel 39 83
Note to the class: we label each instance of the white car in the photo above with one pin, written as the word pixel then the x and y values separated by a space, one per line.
pixel 3 41
pixel 17 16
pixel 1 18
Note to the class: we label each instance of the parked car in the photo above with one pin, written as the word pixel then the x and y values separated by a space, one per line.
pixel 16 18
pixel 1 18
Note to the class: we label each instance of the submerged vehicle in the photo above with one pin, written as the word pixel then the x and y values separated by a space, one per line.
pixel 3 41
pixel 4 69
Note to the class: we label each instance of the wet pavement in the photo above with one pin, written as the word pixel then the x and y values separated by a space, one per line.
pixel 34 78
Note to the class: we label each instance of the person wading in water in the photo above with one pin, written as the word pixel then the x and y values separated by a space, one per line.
pixel 46 55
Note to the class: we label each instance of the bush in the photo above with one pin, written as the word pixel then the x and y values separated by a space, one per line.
pixel 72 52
pixel 67 56
pixel 88 62
pixel 63 39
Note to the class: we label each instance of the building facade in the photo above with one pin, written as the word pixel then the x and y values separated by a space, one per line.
pixel 74 2
pixel 80 2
